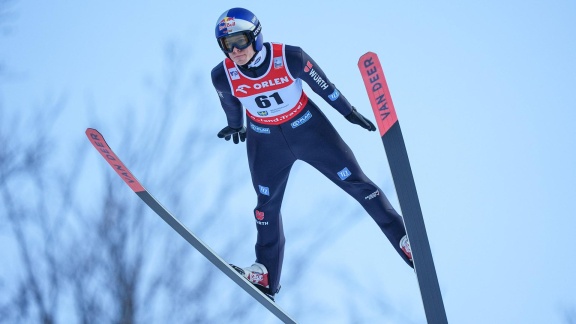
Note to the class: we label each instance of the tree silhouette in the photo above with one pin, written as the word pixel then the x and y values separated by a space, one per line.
pixel 104 256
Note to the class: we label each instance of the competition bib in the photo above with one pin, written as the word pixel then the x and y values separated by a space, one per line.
pixel 273 98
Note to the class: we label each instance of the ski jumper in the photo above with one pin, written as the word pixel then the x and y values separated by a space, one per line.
pixel 284 125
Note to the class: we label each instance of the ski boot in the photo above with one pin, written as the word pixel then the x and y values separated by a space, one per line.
pixel 405 246
pixel 257 274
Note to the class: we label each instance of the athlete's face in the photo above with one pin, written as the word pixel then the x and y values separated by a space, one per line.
pixel 242 57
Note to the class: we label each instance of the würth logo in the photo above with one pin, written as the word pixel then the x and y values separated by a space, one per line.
pixel 315 76
pixel 260 218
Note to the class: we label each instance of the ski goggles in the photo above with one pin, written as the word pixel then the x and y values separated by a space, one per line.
pixel 239 40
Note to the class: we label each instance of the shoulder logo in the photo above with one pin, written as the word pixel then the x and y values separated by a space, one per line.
pixel 308 67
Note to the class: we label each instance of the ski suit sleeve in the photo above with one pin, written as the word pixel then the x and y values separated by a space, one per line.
pixel 302 66
pixel 231 105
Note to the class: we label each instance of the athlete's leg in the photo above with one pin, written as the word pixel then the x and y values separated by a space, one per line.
pixel 320 145
pixel 270 162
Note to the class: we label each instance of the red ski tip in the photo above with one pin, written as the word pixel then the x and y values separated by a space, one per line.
pixel 100 144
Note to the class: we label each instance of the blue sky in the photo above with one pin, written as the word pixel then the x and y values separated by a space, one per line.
pixel 484 94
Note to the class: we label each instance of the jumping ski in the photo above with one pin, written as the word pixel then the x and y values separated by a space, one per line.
pixel 391 135
pixel 100 144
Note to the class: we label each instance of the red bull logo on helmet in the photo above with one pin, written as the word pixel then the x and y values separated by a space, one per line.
pixel 227 22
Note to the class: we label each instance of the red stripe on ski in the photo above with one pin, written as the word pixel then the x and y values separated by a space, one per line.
pixel 100 144
pixel 378 91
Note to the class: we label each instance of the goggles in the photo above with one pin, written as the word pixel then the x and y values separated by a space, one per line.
pixel 239 40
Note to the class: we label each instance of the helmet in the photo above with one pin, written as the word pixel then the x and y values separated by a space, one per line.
pixel 238 28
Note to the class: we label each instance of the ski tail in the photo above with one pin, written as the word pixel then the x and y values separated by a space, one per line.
pixel 393 141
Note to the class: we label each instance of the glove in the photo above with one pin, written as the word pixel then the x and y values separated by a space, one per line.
pixel 236 134
pixel 356 118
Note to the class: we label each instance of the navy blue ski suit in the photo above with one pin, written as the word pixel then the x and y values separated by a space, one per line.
pixel 283 126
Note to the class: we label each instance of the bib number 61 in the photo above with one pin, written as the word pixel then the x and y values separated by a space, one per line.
pixel 264 101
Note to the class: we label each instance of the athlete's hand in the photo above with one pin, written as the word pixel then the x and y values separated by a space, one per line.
pixel 237 134
pixel 356 118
